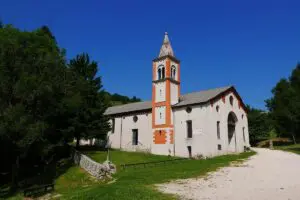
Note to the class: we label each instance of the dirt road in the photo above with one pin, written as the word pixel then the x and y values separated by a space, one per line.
pixel 268 175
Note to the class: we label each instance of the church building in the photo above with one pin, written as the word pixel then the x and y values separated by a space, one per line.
pixel 205 123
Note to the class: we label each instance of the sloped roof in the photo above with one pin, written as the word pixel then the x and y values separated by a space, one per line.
pixel 200 97
pixel 131 107
pixel 184 100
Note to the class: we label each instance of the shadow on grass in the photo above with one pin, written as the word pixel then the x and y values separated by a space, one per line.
pixel 48 176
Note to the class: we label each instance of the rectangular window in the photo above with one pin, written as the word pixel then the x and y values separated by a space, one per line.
pixel 135 137
pixel 189 127
pixel 244 134
pixel 219 147
pixel 113 125
pixel 218 130
pixel 190 151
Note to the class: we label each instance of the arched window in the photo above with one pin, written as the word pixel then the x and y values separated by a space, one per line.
pixel 173 72
pixel 163 73
pixel 231 100
pixel 159 74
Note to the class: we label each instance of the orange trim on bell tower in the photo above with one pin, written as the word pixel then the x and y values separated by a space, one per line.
pixel 164 79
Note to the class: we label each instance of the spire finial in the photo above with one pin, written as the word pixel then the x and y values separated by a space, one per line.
pixel 166 48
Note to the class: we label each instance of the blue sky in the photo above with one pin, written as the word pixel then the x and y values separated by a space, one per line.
pixel 249 44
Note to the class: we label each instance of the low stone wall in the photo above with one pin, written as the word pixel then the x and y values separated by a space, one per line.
pixel 99 171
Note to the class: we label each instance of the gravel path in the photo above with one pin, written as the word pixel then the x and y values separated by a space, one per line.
pixel 268 175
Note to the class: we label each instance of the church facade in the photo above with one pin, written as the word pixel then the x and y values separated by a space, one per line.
pixel 206 123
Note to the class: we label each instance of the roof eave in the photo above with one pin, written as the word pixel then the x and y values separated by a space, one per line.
pixel 167 56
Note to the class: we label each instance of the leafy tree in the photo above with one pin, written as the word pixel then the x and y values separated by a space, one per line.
pixel 285 105
pixel 259 124
pixel 88 120
pixel 117 99
pixel 46 31
pixel 32 86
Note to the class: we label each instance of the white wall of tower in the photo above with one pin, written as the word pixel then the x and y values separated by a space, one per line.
pixel 160 115
pixel 160 92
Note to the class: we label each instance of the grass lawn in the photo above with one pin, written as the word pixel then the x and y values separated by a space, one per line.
pixel 122 157
pixel 295 148
pixel 135 184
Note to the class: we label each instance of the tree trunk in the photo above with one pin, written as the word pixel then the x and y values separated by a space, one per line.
pixel 294 139
pixel 15 173
pixel 271 144
pixel 77 142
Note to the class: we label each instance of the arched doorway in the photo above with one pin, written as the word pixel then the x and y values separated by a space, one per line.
pixel 231 124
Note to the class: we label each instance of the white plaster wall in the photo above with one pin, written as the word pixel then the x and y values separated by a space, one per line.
pixel 174 93
pixel 123 139
pixel 160 115
pixel 204 119
pixel 115 137
pixel 160 91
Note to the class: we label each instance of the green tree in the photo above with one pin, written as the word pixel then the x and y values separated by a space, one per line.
pixel 88 121
pixel 32 86
pixel 285 105
pixel 259 124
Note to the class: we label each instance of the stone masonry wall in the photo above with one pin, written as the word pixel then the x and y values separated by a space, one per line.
pixel 95 169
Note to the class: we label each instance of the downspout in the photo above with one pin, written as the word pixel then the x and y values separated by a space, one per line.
pixel 121 132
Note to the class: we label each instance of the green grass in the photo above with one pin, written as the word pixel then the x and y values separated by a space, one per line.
pixel 295 148
pixel 136 184
pixel 123 157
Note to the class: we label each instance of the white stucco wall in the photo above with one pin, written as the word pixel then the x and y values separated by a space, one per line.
pixel 204 141
pixel 204 119
pixel 160 115
pixel 122 137
pixel 160 91
pixel 174 93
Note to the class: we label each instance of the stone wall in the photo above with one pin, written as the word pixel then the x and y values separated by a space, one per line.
pixel 99 171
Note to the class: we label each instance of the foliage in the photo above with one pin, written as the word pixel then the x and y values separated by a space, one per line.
pixel 32 74
pixel 284 106
pixel 87 120
pixel 259 124
pixel 117 99
pixel 44 101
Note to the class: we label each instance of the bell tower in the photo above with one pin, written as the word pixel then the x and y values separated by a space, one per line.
pixel 165 93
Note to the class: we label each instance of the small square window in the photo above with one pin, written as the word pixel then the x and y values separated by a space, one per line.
pixel 219 147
